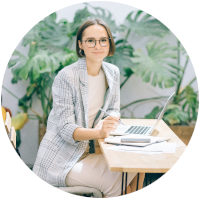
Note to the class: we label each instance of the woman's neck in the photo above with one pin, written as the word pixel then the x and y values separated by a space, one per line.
pixel 93 67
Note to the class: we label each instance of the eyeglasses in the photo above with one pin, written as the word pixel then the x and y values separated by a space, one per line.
pixel 92 42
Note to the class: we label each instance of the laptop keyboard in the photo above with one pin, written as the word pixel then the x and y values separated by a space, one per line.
pixel 137 130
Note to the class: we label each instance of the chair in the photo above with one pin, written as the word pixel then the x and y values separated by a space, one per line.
pixel 82 191
pixel 10 130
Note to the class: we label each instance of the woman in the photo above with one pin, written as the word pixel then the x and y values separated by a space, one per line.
pixel 79 90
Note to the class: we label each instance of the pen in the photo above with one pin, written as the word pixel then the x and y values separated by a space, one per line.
pixel 110 115
pixel 158 141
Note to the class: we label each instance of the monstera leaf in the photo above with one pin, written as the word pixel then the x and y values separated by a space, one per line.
pixel 188 98
pixel 55 34
pixel 154 113
pixel 17 63
pixel 106 16
pixel 50 35
pixel 79 18
pixel 155 67
pixel 174 115
pixel 122 57
pixel 41 62
pixel 37 34
pixel 144 24
pixel 70 28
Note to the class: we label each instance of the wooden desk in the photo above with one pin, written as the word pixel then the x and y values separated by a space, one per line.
pixel 141 163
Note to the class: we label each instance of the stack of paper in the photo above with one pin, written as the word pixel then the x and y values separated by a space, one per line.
pixel 117 140
pixel 142 148
pixel 157 148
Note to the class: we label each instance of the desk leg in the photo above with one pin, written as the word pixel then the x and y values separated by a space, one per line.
pixel 122 183
pixel 140 180
pixel 137 182
pixel 126 183
pixel 126 177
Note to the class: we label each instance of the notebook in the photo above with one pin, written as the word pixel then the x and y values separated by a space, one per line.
pixel 142 130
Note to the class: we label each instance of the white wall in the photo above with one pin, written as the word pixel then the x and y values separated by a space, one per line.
pixel 134 89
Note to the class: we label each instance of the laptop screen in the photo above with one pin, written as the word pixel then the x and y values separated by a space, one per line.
pixel 163 111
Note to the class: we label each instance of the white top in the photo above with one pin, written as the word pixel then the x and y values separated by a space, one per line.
pixel 97 89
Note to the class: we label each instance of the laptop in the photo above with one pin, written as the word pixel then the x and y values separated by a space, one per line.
pixel 142 130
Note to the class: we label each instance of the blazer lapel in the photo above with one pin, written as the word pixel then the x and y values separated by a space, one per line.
pixel 109 78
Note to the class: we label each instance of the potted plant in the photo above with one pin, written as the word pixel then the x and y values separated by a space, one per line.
pixel 45 58
pixel 181 114
pixel 51 48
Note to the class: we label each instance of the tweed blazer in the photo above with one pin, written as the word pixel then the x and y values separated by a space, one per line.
pixel 58 151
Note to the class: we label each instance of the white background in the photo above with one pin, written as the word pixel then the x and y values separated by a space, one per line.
pixel 181 17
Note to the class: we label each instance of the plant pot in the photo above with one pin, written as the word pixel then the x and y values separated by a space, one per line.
pixel 42 131
pixel 183 132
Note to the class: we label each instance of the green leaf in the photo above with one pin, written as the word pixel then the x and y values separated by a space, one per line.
pixel 23 103
pixel 63 21
pixel 122 56
pixel 53 16
pixel 106 16
pixel 18 138
pixel 25 70
pixel 35 72
pixel 189 100
pixel 30 89
pixel 128 72
pixel 81 15
pixel 153 114
pixel 144 24
pixel 174 115
pixel 154 67
pixel 33 34
pixel 13 62
pixel 171 118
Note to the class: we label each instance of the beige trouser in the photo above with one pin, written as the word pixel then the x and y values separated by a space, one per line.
pixel 93 172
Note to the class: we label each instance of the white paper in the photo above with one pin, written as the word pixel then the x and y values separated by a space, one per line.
pixel 157 148
pixel 117 139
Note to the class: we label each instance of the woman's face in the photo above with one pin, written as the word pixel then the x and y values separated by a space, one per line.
pixel 98 52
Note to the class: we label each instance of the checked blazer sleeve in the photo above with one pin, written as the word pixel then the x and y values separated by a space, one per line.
pixel 63 106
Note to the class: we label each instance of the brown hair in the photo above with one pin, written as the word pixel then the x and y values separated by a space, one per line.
pixel 91 22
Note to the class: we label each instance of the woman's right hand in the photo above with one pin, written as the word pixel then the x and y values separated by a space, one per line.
pixel 109 124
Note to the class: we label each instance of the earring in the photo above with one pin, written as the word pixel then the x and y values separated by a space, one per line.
pixel 80 52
